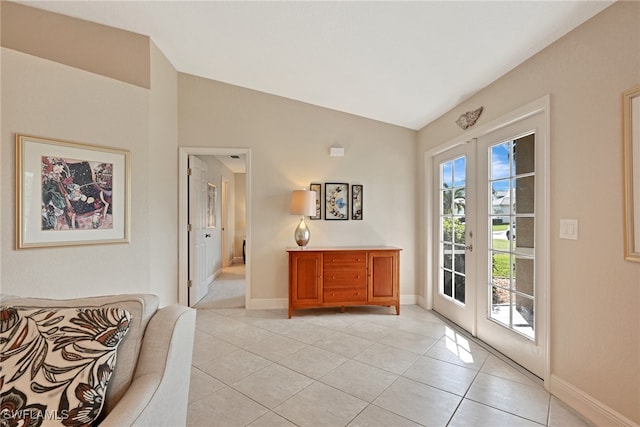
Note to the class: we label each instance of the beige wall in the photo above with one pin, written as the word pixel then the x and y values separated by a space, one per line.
pixel 595 293
pixel 47 99
pixel 108 51
pixel 289 144
pixel 2 237
pixel 163 173
pixel 51 99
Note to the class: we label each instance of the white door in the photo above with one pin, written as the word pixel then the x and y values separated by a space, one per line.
pixel 197 230
pixel 454 281
pixel 490 217
pixel 223 222
pixel 512 199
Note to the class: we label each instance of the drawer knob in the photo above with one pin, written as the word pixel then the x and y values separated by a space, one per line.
pixel 357 293
pixel 358 276
pixel 333 294
pixel 333 277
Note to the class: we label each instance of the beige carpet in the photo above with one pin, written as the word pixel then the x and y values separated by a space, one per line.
pixel 227 291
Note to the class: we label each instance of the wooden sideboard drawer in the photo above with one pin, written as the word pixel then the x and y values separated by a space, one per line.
pixel 345 278
pixel 339 295
pixel 346 260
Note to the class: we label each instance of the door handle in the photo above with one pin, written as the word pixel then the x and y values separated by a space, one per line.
pixel 469 248
pixel 207 235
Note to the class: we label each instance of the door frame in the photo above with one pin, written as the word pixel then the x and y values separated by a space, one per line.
pixel 183 219
pixel 224 250
pixel 539 106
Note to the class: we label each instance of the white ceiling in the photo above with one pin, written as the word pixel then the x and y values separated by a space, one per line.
pixel 404 63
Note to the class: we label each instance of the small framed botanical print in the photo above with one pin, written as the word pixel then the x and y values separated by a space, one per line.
pixel 318 190
pixel 336 206
pixel 356 201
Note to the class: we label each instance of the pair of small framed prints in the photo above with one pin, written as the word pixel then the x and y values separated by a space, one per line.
pixel 338 201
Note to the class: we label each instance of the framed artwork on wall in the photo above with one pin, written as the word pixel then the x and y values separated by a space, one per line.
pixel 318 190
pixel 212 195
pixel 356 201
pixel 70 194
pixel 336 196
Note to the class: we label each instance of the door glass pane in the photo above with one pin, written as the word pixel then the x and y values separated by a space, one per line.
pixel 501 201
pixel 447 175
pixel 512 240
pixel 523 275
pixel 524 235
pixel 524 195
pixel 500 269
pixel 522 314
pixel 500 160
pixel 447 200
pixel 447 230
pixel 524 154
pixel 460 259
pixel 447 288
pixel 459 290
pixel 500 303
pixel 459 231
pixel 447 256
pixel 452 227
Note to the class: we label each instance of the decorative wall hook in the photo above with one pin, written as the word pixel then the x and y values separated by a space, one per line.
pixel 469 118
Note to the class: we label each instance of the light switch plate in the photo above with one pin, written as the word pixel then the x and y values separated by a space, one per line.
pixel 569 229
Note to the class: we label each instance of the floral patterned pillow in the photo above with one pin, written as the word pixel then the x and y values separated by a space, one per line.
pixel 55 363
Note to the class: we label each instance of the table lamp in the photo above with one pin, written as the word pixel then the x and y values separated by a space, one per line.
pixel 303 203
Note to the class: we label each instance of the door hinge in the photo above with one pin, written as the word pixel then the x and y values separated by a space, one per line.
pixel 189 227
pixel 189 171
pixel 189 283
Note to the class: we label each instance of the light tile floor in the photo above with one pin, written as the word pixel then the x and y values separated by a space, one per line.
pixel 364 367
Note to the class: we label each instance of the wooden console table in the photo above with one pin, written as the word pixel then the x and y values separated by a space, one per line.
pixel 344 276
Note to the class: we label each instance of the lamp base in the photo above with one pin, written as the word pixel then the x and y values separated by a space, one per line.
pixel 302 234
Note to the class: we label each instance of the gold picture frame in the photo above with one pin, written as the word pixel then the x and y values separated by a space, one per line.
pixel 70 193
pixel 631 170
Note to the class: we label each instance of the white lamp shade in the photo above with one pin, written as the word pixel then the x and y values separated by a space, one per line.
pixel 303 202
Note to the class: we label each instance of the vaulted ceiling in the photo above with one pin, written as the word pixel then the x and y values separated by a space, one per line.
pixel 404 63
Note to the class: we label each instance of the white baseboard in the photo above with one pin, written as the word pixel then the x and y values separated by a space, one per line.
pixel 267 303
pixel 280 303
pixel 592 409
pixel 409 299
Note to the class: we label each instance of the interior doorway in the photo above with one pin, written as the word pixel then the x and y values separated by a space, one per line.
pixel 234 258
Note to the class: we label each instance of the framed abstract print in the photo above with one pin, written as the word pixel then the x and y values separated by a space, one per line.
pixel 70 194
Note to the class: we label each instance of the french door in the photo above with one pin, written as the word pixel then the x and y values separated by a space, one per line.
pixel 491 239
pixel 455 293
